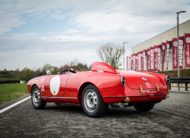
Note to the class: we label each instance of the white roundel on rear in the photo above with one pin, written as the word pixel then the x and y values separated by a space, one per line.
pixel 55 85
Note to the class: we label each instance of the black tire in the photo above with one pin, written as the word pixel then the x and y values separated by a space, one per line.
pixel 92 102
pixel 37 101
pixel 58 104
pixel 144 107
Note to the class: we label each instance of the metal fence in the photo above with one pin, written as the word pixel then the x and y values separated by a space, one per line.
pixel 9 81
pixel 184 83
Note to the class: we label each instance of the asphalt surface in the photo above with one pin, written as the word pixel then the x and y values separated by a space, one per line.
pixel 170 119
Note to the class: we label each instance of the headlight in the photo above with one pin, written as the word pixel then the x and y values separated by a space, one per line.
pixel 123 81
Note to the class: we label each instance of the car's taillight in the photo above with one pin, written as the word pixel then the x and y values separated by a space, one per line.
pixel 123 81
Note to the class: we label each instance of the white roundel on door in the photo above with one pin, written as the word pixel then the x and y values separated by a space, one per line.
pixel 55 85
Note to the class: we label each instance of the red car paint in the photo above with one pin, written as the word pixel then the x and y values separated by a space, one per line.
pixel 139 86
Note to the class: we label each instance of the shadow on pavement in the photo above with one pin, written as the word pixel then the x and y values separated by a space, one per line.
pixel 111 112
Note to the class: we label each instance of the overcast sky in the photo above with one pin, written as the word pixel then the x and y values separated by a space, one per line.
pixel 35 32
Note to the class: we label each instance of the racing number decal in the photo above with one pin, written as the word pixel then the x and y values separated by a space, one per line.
pixel 55 85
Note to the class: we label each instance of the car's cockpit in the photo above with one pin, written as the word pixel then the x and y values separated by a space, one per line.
pixel 68 71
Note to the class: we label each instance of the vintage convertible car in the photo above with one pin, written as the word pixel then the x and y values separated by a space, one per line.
pixel 102 86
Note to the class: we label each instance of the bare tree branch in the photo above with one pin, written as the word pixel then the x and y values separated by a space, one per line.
pixel 110 54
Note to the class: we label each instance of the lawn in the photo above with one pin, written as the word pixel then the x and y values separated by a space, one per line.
pixel 12 91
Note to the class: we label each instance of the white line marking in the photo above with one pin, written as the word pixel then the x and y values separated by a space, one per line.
pixel 13 105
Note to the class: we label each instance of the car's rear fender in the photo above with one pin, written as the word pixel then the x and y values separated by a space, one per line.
pixel 108 84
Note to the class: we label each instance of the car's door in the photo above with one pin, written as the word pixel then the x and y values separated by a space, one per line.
pixel 55 85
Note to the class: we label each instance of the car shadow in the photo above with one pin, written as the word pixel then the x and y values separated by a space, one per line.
pixel 64 108
pixel 111 112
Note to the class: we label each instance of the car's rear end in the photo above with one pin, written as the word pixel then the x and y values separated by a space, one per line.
pixel 145 87
pixel 127 88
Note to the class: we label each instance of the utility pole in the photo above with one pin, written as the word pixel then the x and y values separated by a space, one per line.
pixel 124 54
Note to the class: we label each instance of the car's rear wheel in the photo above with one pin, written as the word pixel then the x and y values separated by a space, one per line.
pixel 144 107
pixel 92 102
pixel 58 104
pixel 37 101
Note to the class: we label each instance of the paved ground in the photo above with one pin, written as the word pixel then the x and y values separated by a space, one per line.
pixel 170 118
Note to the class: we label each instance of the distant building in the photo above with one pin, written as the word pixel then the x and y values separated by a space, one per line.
pixel 159 53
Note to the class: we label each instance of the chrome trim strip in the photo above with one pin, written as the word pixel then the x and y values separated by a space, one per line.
pixel 65 98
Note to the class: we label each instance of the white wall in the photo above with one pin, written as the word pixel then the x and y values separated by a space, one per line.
pixel 163 37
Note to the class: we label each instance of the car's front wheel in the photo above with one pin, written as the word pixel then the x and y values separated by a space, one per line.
pixel 37 101
pixel 92 102
pixel 144 107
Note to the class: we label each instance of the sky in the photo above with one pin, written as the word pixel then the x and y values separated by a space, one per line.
pixel 57 32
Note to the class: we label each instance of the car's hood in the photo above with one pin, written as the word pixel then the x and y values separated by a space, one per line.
pixel 135 80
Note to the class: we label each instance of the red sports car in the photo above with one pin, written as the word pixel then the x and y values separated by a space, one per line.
pixel 94 90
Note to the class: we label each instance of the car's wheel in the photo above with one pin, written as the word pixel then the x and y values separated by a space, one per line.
pixel 37 101
pixel 144 107
pixel 92 102
pixel 58 104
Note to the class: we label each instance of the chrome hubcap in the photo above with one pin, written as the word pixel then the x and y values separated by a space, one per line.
pixel 36 97
pixel 90 100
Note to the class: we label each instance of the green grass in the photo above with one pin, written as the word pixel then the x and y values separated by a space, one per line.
pixel 12 91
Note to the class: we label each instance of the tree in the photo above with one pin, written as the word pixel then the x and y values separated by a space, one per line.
pixel 26 74
pixel 110 54
pixel 77 66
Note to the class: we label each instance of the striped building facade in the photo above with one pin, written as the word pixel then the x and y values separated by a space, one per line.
pixel 160 53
